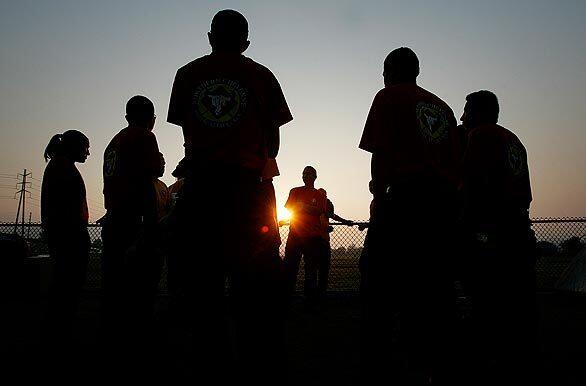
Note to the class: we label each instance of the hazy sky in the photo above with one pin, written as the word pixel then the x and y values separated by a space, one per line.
pixel 73 64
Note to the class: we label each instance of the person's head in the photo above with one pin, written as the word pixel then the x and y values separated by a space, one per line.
pixel 180 170
pixel 140 112
pixel 482 107
pixel 161 170
pixel 309 175
pixel 229 32
pixel 401 66
pixel 72 144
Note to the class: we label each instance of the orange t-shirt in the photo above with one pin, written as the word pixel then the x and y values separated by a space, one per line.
pixel 414 131
pixel 495 174
pixel 304 223
pixel 225 104
pixel 131 160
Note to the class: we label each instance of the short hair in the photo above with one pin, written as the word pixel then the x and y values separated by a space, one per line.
pixel 484 105
pixel 311 168
pixel 403 62
pixel 229 28
pixel 139 111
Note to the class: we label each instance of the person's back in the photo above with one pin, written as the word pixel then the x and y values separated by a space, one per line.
pixel 130 162
pixel 230 109
pixel 226 103
pixel 129 266
pixel 495 175
pixel 412 128
pixel 415 159
pixel 500 245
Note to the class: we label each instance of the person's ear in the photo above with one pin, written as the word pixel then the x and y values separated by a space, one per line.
pixel 126 117
pixel 211 39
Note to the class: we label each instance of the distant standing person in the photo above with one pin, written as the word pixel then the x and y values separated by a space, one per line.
pixel 230 109
pixel 64 216
pixel 415 157
pixel 131 163
pixel 308 237
pixel 501 253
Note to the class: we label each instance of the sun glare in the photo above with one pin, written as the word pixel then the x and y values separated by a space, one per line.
pixel 283 214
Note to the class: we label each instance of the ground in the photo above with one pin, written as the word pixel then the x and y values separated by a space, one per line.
pixel 323 347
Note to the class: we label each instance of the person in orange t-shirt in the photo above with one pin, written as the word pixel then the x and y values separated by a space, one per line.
pixel 129 268
pixel 308 206
pixel 501 245
pixel 230 109
pixel 415 149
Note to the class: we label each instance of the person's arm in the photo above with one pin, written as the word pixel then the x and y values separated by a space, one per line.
pixel 334 216
pixel 273 141
pixel 177 102
pixel 278 115
pixel 376 140
pixel 379 174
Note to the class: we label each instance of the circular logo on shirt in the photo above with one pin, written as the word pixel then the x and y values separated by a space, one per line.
pixel 220 102
pixel 433 124
pixel 516 159
pixel 110 163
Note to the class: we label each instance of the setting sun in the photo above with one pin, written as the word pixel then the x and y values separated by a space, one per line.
pixel 284 214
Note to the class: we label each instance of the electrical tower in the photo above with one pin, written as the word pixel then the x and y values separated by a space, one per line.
pixel 22 199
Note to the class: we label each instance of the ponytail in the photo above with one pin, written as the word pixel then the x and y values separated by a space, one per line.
pixel 54 147
pixel 66 144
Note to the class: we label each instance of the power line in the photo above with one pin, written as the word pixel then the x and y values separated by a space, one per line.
pixel 22 199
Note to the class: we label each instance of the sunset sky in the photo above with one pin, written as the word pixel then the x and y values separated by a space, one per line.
pixel 74 64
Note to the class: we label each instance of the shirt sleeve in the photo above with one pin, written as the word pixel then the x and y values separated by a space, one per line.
pixel 329 208
pixel 150 155
pixel 373 127
pixel 476 163
pixel 178 103
pixel 278 110
pixel 290 200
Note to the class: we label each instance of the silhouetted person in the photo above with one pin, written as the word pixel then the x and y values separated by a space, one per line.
pixel 131 164
pixel 501 281
pixel 309 237
pixel 64 216
pixel 162 192
pixel 363 262
pixel 411 135
pixel 230 109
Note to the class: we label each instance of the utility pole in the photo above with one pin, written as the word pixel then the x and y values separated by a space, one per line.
pixel 30 219
pixel 22 200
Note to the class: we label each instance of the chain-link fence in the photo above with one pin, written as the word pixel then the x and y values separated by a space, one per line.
pixel 559 240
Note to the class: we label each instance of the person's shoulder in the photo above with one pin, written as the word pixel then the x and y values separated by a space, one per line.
pixel 194 64
pixel 488 133
pixel 508 134
pixel 297 189
pixel 257 67
pixel 160 184
pixel 432 97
